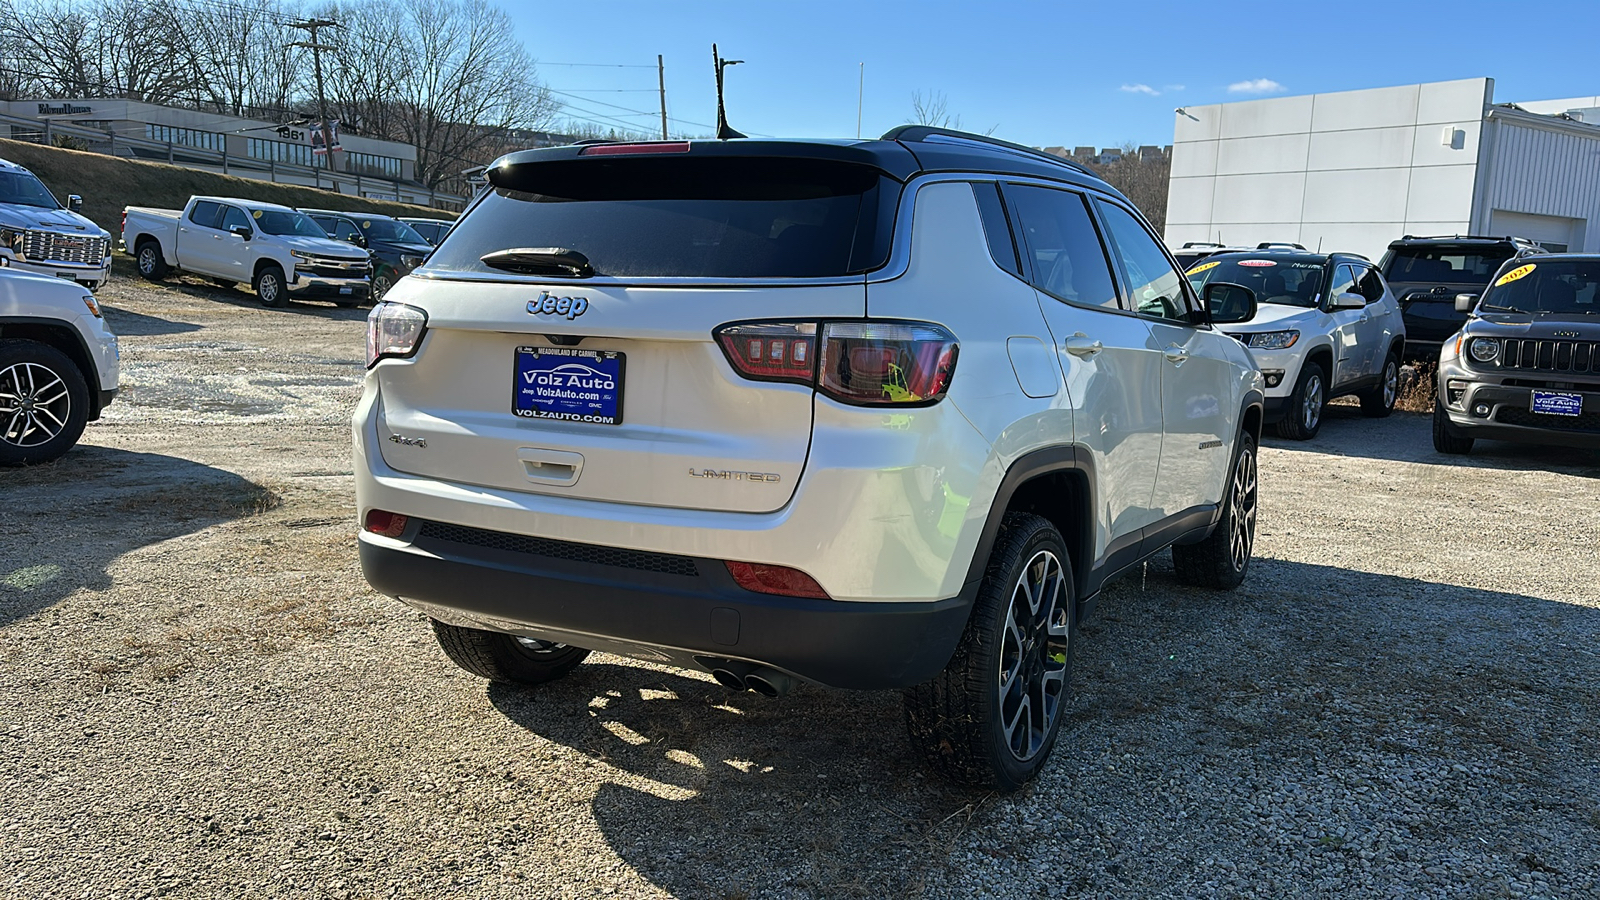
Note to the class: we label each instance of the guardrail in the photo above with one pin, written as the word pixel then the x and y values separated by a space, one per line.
pixel 112 144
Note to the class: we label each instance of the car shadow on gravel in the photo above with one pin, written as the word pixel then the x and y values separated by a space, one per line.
pixel 242 297
pixel 62 524
pixel 1408 437
pixel 734 794
pixel 130 324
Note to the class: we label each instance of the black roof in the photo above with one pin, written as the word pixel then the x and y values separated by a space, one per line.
pixel 1296 255
pixel 1414 239
pixel 341 212
pixel 902 153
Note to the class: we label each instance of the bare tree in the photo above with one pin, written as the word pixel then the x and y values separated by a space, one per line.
pixel 1142 178
pixel 934 109
pixel 242 54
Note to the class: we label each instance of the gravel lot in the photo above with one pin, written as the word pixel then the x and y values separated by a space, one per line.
pixel 201 696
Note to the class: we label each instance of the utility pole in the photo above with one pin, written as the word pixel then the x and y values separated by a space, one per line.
pixel 661 79
pixel 311 25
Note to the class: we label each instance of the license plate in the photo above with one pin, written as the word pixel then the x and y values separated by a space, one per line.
pixel 347 290
pixel 1557 403
pixel 569 384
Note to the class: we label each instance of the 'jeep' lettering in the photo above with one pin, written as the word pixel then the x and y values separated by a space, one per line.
pixel 569 307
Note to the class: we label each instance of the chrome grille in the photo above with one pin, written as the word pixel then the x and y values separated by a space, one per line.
pixel 67 249
pixel 1578 357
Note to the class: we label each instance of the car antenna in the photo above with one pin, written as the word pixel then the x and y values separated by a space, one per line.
pixel 723 131
pixel 1319 243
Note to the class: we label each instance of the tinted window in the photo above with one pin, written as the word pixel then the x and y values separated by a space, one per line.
pixel 205 213
pixel 1064 252
pixel 1344 281
pixel 1562 286
pixel 996 229
pixel 1445 265
pixel 1369 284
pixel 1285 280
pixel 277 221
pixel 390 230
pixel 23 189
pixel 687 217
pixel 1156 286
pixel 233 215
pixel 341 229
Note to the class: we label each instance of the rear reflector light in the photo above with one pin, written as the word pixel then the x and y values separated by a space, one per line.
pixel 632 149
pixel 387 524
pixel 861 363
pixel 780 580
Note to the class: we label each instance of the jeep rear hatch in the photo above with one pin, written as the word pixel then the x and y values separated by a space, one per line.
pixel 569 346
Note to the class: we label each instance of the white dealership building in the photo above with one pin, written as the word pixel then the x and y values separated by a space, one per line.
pixel 1355 170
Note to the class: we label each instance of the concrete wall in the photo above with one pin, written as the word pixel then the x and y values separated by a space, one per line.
pixel 1347 171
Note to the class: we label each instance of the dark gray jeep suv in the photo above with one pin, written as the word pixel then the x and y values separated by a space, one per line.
pixel 1426 274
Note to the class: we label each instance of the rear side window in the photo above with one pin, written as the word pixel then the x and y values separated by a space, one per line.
pixel 706 217
pixel 1066 258
pixel 995 227
pixel 205 213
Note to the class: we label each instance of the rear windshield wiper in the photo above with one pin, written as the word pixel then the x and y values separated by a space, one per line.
pixel 556 261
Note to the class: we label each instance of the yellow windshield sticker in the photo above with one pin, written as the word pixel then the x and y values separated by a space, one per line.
pixel 256 213
pixel 1514 274
pixel 1203 266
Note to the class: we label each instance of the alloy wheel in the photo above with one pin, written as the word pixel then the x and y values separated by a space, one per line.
pixel 268 289
pixel 34 404
pixel 1033 655
pixel 1391 383
pixel 1311 409
pixel 147 259
pixel 1242 505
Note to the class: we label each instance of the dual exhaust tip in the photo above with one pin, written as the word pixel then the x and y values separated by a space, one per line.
pixel 739 676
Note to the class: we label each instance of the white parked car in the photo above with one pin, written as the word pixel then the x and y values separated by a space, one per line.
pixel 38 234
pixel 58 365
pixel 868 414
pixel 278 251
pixel 1327 326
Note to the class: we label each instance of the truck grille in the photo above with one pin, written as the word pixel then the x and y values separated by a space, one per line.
pixel 334 268
pixel 67 249
pixel 583 553
pixel 1587 422
pixel 1578 357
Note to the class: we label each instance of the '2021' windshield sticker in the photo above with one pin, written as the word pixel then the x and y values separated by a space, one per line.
pixel 1257 262
pixel 1514 274
pixel 1202 267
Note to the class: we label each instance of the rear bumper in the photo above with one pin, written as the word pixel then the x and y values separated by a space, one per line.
pixel 678 610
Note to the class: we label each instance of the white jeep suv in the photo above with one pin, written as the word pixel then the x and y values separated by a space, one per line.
pixel 867 414
pixel 1328 326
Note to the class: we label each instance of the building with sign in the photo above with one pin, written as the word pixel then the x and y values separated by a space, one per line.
pixel 1355 170
pixel 250 148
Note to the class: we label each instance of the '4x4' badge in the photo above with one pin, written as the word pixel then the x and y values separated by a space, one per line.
pixel 546 305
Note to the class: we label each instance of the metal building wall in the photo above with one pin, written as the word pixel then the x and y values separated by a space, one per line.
pixel 1536 166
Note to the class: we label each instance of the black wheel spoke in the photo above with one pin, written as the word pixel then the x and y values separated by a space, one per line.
pixel 1033 657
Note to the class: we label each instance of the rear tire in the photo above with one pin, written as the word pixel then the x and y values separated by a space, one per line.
pixel 505 658
pixel 147 257
pixel 1303 419
pixel 1222 559
pixel 991 718
pixel 1379 402
pixel 270 288
pixel 44 403
pixel 1446 437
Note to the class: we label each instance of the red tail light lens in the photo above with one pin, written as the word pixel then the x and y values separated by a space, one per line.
pixel 632 149
pixel 780 580
pixel 385 523
pixel 860 363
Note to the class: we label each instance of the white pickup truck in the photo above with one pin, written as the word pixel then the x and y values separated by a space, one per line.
pixel 278 250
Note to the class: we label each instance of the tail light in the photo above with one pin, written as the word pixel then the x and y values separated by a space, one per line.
pixel 394 330
pixel 385 523
pixel 860 363
pixel 780 580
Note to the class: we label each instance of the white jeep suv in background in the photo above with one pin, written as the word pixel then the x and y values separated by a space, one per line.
pixel 1328 326
pixel 58 365
pixel 868 414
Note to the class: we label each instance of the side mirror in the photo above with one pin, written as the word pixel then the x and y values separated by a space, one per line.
pixel 1349 301
pixel 1229 304
pixel 74 202
pixel 1466 302
pixel 243 231
pixel 357 239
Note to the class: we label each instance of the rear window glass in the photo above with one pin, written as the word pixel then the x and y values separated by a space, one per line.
pixel 713 217
pixel 1445 265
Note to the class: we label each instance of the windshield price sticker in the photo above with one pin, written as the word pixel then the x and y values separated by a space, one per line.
pixel 256 213
pixel 1259 263
pixel 1202 267
pixel 1514 274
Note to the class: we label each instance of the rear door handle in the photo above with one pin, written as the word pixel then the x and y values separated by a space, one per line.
pixel 1080 345
pixel 1175 354
pixel 543 466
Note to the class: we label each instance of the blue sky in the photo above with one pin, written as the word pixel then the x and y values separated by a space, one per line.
pixel 1040 73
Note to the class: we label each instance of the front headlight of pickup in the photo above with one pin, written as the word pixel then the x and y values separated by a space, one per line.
pixel 1274 340
pixel 1483 350
pixel 301 254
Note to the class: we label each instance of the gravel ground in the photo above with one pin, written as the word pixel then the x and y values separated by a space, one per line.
pixel 202 698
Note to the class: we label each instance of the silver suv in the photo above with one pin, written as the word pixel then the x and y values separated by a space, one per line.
pixel 867 414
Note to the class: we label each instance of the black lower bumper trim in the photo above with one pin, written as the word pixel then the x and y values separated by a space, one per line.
pixel 1273 409
pixel 671 617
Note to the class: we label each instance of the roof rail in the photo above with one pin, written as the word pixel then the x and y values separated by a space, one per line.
pixel 921 133
pixel 1268 245
pixel 1188 244
pixel 1468 237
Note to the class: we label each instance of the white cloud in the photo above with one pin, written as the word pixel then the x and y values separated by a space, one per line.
pixel 1141 89
pixel 1256 86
